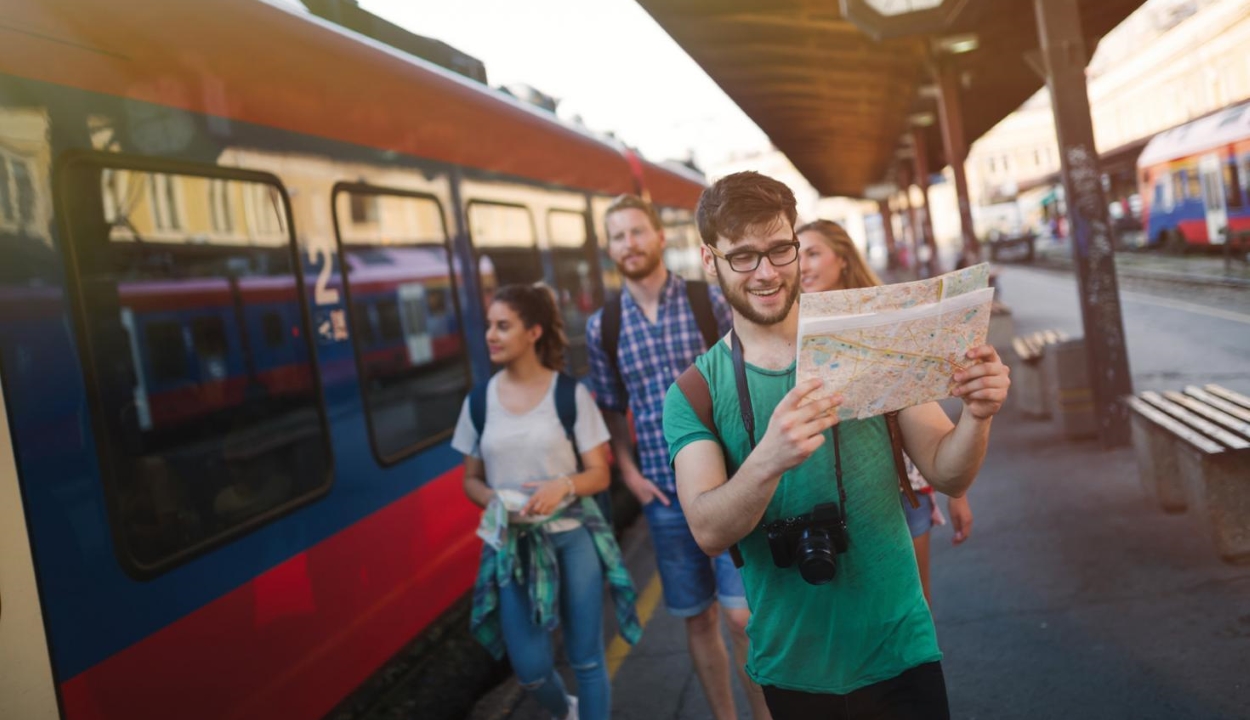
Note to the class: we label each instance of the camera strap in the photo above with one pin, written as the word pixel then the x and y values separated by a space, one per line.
pixel 748 415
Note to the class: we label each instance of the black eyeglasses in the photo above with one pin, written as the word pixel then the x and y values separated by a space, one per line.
pixel 745 261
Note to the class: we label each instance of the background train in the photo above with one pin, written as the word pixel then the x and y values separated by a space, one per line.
pixel 1195 180
pixel 244 256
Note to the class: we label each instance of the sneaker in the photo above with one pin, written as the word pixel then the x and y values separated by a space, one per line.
pixel 572 703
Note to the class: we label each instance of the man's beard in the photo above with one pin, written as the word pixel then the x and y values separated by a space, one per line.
pixel 652 262
pixel 741 301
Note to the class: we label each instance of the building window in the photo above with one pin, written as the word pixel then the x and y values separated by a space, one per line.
pixel 163 199
pixel 209 433
pixel 407 334
pixel 8 207
pixel 219 206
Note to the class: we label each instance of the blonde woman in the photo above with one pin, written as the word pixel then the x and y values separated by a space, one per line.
pixel 829 260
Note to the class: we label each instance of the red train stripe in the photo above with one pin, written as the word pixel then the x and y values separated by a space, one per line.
pixel 297 639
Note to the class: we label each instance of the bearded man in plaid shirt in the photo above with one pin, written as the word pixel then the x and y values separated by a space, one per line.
pixel 659 337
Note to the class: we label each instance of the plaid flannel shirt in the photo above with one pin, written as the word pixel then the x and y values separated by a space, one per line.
pixel 541 575
pixel 651 356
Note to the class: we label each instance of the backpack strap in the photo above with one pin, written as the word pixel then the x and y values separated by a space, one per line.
pixel 610 331
pixel 694 386
pixel 699 293
pixel 566 409
pixel 477 407
pixel 900 466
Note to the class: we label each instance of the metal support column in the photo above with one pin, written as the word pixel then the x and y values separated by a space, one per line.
pixel 921 147
pixel 1063 53
pixel 911 237
pixel 908 221
pixel 887 226
pixel 950 108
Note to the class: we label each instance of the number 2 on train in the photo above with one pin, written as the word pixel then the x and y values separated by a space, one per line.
pixel 322 295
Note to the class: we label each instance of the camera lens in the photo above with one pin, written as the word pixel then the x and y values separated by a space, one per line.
pixel 816 556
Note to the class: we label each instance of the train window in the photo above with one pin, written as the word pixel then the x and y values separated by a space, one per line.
pixel 405 325
pixel 272 327
pixel 681 243
pixel 1178 186
pixel 507 249
pixel 607 268
pixel 1194 186
pixel 206 399
pixel 388 320
pixel 166 352
pixel 1232 185
pixel 1164 192
pixel 575 289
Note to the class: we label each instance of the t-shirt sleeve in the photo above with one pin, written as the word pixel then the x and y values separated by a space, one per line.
pixel 465 439
pixel 590 429
pixel 724 314
pixel 681 425
pixel 608 391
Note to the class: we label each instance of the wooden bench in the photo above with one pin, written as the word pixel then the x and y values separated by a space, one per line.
pixel 1028 380
pixel 1193 451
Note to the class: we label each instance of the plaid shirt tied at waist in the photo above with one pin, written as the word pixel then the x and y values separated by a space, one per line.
pixel 540 573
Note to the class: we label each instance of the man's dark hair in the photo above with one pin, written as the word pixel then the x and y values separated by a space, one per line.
pixel 736 203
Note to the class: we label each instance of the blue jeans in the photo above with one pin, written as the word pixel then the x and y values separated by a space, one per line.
pixel 692 581
pixel 919 520
pixel 581 618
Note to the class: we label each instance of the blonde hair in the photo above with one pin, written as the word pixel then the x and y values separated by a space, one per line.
pixel 633 202
pixel 856 274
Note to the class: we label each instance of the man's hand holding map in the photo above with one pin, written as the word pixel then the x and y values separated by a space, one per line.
pixel 891 347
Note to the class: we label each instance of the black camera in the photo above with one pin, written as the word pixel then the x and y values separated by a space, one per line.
pixel 813 540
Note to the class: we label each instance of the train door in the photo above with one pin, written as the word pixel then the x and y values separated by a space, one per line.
pixel 26 686
pixel 414 318
pixel 1211 171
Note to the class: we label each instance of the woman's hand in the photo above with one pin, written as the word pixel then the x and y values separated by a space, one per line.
pixel 547 496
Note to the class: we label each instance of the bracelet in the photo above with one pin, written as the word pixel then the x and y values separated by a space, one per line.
pixel 572 487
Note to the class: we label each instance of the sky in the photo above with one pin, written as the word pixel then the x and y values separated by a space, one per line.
pixel 605 60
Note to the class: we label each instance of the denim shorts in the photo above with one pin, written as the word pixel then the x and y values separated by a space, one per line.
pixel 919 520
pixel 692 581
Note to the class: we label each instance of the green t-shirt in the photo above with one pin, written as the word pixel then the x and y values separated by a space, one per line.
pixel 871 623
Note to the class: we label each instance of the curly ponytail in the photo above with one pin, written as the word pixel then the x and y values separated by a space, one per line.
pixel 536 305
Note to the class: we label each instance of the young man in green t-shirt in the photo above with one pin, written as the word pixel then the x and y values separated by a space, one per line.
pixel 850 635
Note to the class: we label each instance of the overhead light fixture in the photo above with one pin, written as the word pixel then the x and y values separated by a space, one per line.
pixel 956 44
pixel 880 191
pixel 921 119
pixel 928 90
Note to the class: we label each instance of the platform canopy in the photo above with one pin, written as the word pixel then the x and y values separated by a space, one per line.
pixel 838 84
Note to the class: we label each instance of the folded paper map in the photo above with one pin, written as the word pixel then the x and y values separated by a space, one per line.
pixel 891 347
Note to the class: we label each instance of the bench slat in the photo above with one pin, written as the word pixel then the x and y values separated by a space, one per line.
pixel 1229 395
pixel 1224 420
pixel 1173 426
pixel 1205 427
pixel 1235 410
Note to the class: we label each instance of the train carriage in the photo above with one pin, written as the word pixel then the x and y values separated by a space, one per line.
pixel 244 258
pixel 1195 181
